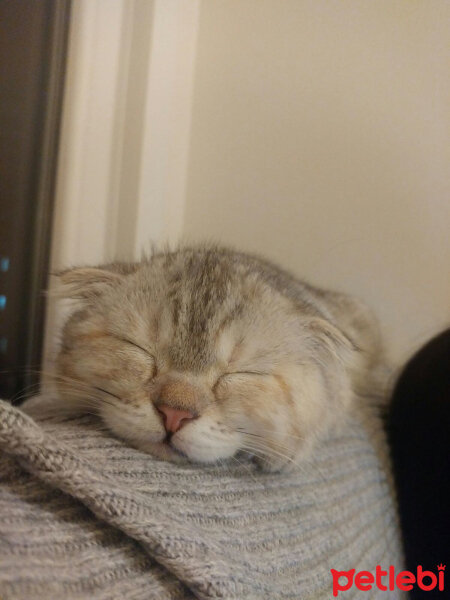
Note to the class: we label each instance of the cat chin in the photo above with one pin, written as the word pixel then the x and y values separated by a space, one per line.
pixel 206 441
pixel 204 453
pixel 172 453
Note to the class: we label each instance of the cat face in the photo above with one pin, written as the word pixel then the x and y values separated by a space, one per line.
pixel 197 355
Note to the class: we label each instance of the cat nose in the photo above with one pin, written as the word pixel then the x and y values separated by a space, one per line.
pixel 174 419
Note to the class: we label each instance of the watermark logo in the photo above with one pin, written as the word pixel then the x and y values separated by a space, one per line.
pixel 388 580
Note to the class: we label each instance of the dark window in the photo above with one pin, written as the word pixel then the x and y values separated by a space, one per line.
pixel 33 42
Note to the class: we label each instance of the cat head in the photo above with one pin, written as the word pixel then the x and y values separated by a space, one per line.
pixel 199 354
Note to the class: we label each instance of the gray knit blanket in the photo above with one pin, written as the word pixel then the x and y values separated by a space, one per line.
pixel 83 516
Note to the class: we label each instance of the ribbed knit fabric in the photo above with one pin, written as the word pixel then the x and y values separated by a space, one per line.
pixel 83 516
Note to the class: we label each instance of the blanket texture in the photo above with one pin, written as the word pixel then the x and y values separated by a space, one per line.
pixel 83 516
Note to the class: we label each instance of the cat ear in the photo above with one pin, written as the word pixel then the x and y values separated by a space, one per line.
pixel 324 337
pixel 86 282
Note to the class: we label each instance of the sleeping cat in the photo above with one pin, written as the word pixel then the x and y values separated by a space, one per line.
pixel 204 352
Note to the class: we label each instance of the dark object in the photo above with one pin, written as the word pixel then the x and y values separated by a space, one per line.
pixel 419 432
pixel 33 40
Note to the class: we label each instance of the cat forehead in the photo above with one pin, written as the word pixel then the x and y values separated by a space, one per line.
pixel 200 295
pixel 196 322
pixel 195 310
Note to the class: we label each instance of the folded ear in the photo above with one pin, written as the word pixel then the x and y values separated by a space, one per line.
pixel 338 359
pixel 86 282
pixel 326 338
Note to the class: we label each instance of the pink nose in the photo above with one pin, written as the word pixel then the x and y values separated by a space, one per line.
pixel 174 419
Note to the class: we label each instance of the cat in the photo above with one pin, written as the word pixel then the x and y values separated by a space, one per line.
pixel 203 352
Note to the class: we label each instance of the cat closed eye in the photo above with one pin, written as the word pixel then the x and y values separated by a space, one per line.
pixel 261 373
pixel 233 373
pixel 137 346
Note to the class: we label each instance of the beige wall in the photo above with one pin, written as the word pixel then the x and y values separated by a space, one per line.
pixel 320 137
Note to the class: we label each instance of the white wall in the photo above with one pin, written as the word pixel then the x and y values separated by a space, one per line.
pixel 320 137
pixel 125 128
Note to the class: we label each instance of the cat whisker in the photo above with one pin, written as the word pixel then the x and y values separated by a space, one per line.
pixel 269 446
pixel 246 467
pixel 263 454
pixel 270 452
pixel 75 393
pixel 72 386
pixel 241 430
pixel 57 377
pixel 25 392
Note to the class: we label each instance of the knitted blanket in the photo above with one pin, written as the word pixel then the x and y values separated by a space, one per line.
pixel 83 516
